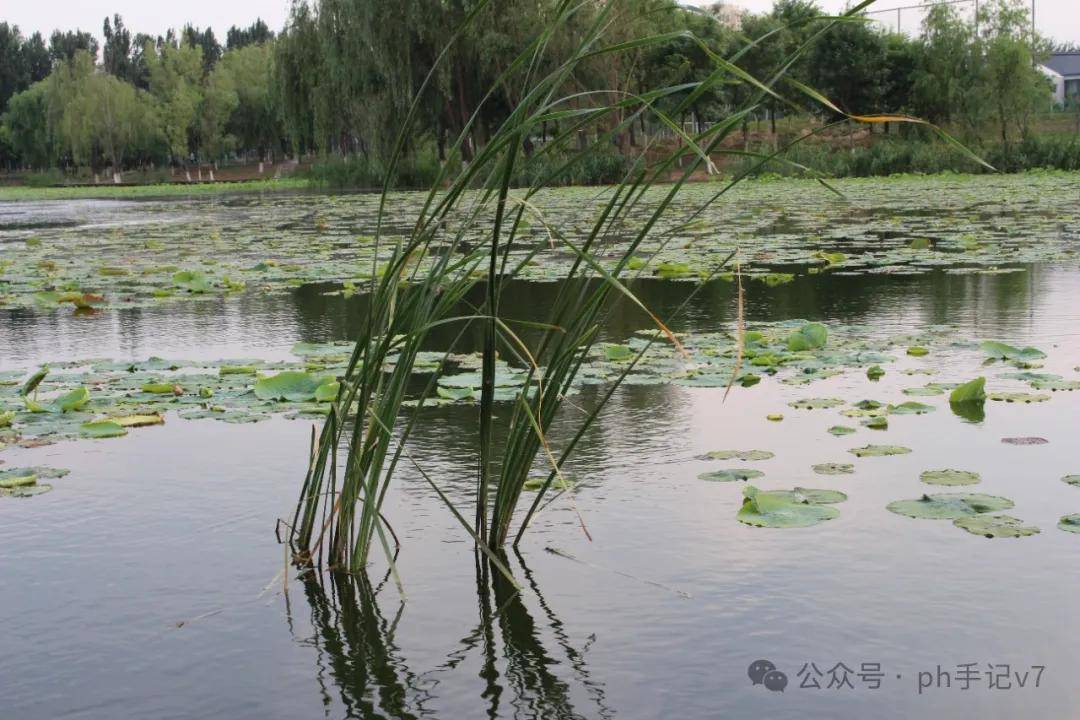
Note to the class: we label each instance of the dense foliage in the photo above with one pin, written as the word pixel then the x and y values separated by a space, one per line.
pixel 340 76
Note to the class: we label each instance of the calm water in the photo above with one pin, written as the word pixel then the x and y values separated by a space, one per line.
pixel 146 585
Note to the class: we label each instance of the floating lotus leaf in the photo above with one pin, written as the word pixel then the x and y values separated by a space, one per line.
pixel 875 372
pixel 102 429
pixel 134 421
pixel 1018 397
pixel 1002 351
pixel 617 353
pixel 157 388
pixel 454 393
pixel 783 509
pixel 194 281
pixel 68 402
pixel 1070 523
pixel 26 490
pixel 327 392
pixel 995 526
pixel 746 455
pixel 731 475
pixel 557 483
pixel 816 403
pixel 925 390
pixel 834 468
pixel 6 418
pixel 237 370
pixel 10 482
pixel 772 417
pixel 291 385
pixel 811 496
pixel 839 430
pixel 748 379
pixel 1073 480
pixel 1024 441
pixel 949 477
pixel 910 408
pixel 879 450
pixel 879 422
pixel 918 351
pixel 949 506
pixel 973 391
pixel 811 336
pixel 1056 385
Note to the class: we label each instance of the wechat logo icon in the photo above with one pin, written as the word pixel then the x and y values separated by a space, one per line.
pixel 763 672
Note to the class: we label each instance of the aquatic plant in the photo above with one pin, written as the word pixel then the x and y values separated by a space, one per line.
pixel 421 278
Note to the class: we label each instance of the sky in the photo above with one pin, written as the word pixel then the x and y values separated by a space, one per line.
pixel 1059 19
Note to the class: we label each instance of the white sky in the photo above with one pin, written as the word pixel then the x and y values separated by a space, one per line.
pixel 1059 19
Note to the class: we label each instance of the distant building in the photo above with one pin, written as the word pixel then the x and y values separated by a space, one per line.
pixel 1063 69
pixel 727 14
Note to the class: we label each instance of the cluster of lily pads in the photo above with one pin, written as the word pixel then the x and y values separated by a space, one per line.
pixel 130 254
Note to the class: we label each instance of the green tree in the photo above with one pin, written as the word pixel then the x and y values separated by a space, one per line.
pixel 255 34
pixel 116 53
pixel 27 124
pixel 64 45
pixel 1014 87
pixel 176 81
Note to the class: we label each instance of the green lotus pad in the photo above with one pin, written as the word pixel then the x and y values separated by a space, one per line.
pixel 1073 480
pixel 949 477
pixel 100 429
pixel 811 336
pixel 558 483
pixel 879 450
pixel 949 506
pixel 1001 351
pixel 801 507
pixel 973 391
pixel 816 403
pixel 995 526
pixel 731 475
pixel 291 386
pixel 1070 523
pixel 834 468
pixel 917 351
pixel 67 402
pixel 746 455
pixel 24 482
pixel 839 430
pixel 910 408
pixel 1018 397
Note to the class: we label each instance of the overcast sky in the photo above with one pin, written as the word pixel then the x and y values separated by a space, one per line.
pixel 1059 19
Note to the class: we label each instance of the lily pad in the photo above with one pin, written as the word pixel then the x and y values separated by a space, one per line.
pixel 1070 523
pixel 995 526
pixel 1073 480
pixel 949 477
pixel 135 421
pixel 839 430
pixel 291 385
pixel 834 468
pixel 194 281
pixel 949 506
pixel 910 408
pixel 973 391
pixel 918 351
pixel 816 403
pixel 879 450
pixel 811 336
pixel 731 475
pixel 782 509
pixel 102 429
pixel 558 483
pixel 875 372
pixel 68 402
pixel 1018 397
pixel 746 455
pixel 1002 351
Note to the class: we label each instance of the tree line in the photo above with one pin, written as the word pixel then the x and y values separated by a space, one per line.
pixel 341 76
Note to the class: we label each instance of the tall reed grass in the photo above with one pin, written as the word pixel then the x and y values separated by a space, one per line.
pixel 474 229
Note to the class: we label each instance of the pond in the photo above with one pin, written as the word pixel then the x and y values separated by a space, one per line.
pixel 148 582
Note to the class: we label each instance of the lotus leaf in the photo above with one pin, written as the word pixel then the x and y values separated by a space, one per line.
pixel 879 450
pixel 949 506
pixel 995 526
pixel 783 509
pixel 731 475
pixel 949 477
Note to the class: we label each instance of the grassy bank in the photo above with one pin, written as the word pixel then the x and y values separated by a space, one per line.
pixel 123 192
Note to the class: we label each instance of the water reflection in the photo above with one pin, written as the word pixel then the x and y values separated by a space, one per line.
pixel 519 655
